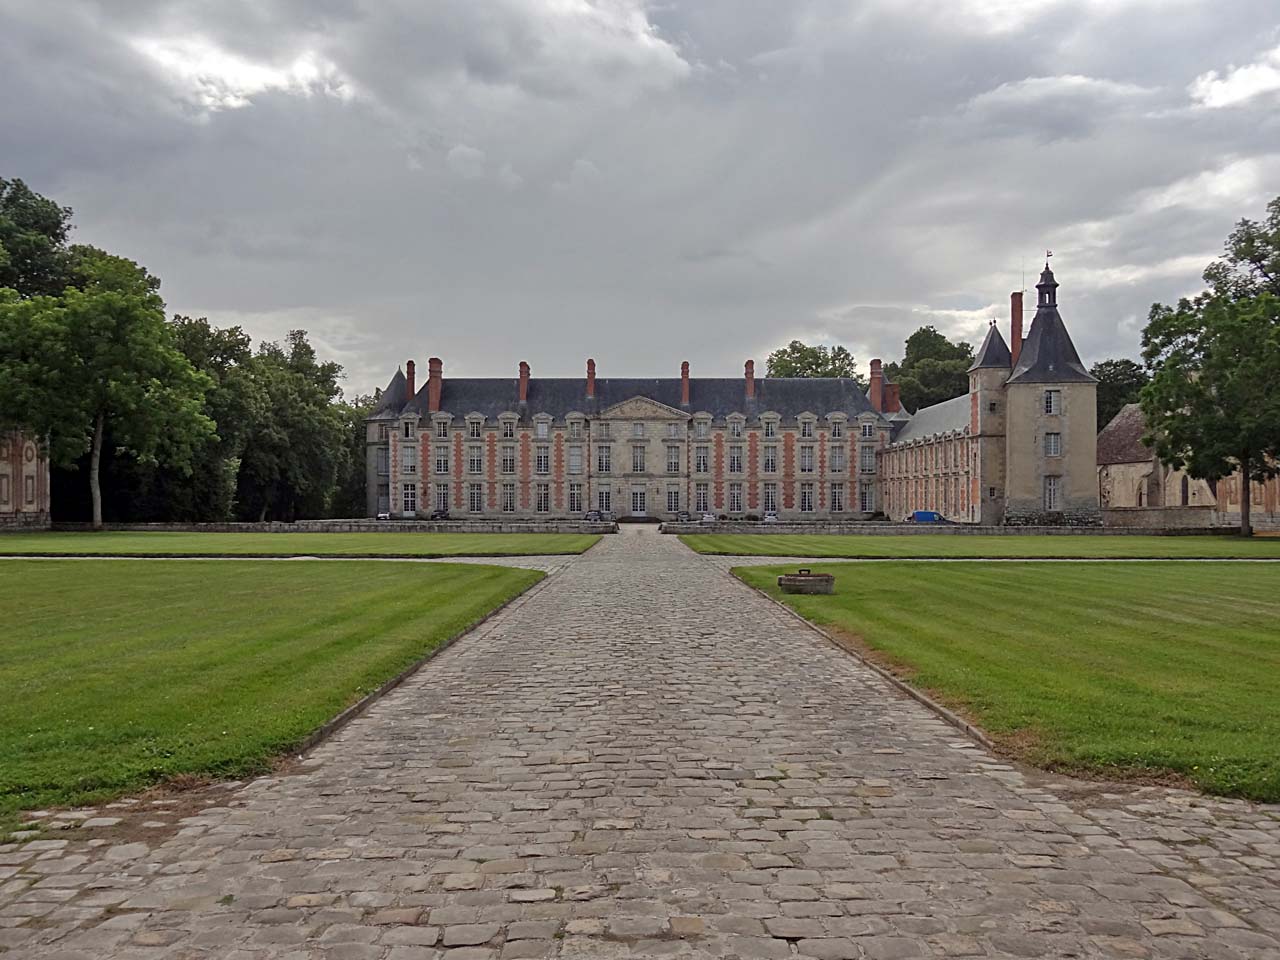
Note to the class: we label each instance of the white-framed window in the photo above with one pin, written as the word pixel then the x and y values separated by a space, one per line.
pixel 575 429
pixel 1053 444
pixel 409 429
pixel 673 459
pixel 442 429
pixel 384 456
pixel 735 428
pixel 1053 402
pixel 770 428
pixel 384 432
pixel 602 430
pixel 806 458
pixel 604 499
pixel 1053 493
pixel 508 498
pixel 542 459
pixel 735 497
pixel 868 431
pixel 770 498
pixel 867 458
pixel 673 499
pixel 991 493
pixel 837 498
pixel 637 429
pixel 806 428
pixel 637 458
pixel 410 464
pixel 575 498
pixel 702 429
pixel 442 496
pixel 701 455
pixel 604 460
pixel 673 430
pixel 700 491
pixel 866 498
pixel 475 458
pixel 508 429
pixel 542 429
pixel 442 459
pixel 544 498
pixel 837 459
pixel 475 497
pixel 770 459
pixel 410 498
pixel 837 429
pixel 575 460
pixel 509 459
pixel 806 498
pixel 639 501
pixel 735 458
pixel 473 429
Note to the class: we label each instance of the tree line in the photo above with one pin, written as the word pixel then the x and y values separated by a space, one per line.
pixel 152 418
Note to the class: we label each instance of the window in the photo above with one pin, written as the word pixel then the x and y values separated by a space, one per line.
pixel 770 459
pixel 837 430
pixel 637 458
pixel 473 429
pixel 604 460
pixel 604 499
pixel 673 499
pixel 508 429
pixel 544 498
pixel 408 429
pixel 575 459
pixel 475 497
pixel 673 459
pixel 770 428
pixel 806 459
pixel 639 500
pixel 806 428
pixel 575 429
pixel 410 464
pixel 991 493
pixel 410 498
pixel 1053 402
pixel 575 498
pixel 735 497
pixel 806 498
pixel 700 497
pixel 735 428
pixel 702 429
pixel 868 431
pixel 508 498
pixel 700 455
pixel 474 457
pixel 542 429
pixel 1053 444
pixel 837 498
pixel 866 498
pixel 1053 493
pixel 383 467
pixel 442 459
pixel 673 430
pixel 509 459
pixel 770 498
pixel 442 429
pixel 735 458
pixel 602 430
pixel 993 406
pixel 837 459
pixel 4 489
pixel 867 459
pixel 637 429
pixel 384 431
pixel 542 459
pixel 442 496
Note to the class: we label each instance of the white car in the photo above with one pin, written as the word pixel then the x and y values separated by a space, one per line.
pixel 770 517
pixel 707 518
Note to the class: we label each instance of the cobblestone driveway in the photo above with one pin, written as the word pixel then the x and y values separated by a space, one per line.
pixel 643 758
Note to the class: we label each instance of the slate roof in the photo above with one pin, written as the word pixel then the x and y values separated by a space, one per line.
pixel 1121 440
pixel 558 396
pixel 1048 355
pixel 944 417
pixel 994 352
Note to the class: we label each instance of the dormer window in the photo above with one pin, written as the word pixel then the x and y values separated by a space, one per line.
pixel 408 430
pixel 442 429
pixel 542 429
pixel 735 428
pixel 837 430
pixel 770 429
pixel 473 429
pixel 806 428
pixel 508 429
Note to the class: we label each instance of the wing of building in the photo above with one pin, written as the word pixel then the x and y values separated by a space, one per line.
pixel 1018 447
pixel 24 483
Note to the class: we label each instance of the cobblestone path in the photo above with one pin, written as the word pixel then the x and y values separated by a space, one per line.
pixel 641 757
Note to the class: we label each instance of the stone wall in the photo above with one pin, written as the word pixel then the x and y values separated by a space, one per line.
pixel 881 528
pixel 362 526
pixel 24 521
pixel 1151 518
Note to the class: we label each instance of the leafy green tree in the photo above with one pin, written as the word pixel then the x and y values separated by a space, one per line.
pixel 933 369
pixel 349 490
pixel 798 359
pixel 1212 406
pixel 1119 383
pixel 34 259
pixel 101 360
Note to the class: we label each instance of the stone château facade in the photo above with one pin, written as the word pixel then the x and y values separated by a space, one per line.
pixel 24 483
pixel 820 449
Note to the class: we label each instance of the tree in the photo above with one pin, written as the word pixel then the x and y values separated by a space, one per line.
pixel 100 360
pixel 798 359
pixel 1119 383
pixel 34 259
pixel 933 369
pixel 1211 405
pixel 349 490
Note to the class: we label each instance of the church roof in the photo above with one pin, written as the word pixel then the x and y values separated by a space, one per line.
pixel 1048 355
pixel 1121 440
pixel 994 352
pixel 944 417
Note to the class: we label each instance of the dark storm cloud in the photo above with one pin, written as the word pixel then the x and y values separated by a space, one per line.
pixel 646 182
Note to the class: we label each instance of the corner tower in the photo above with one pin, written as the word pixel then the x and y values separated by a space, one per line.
pixel 987 417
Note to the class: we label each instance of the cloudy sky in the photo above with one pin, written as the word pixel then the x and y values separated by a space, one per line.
pixel 645 181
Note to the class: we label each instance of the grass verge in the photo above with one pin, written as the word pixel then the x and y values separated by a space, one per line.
pixel 121 674
pixel 1029 546
pixel 1111 670
pixel 164 543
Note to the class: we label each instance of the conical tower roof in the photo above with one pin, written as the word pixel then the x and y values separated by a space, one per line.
pixel 994 352
pixel 1048 355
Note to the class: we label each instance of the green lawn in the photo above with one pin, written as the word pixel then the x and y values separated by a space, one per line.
pixel 117 674
pixel 298 544
pixel 1101 668
pixel 961 545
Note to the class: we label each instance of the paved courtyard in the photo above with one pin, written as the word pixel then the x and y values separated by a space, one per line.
pixel 641 757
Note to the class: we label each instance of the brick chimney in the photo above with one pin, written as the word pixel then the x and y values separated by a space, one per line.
pixel 1015 325
pixel 750 370
pixel 410 379
pixel 435 379
pixel 684 384
pixel 524 382
pixel 892 399
pixel 591 379
pixel 877 386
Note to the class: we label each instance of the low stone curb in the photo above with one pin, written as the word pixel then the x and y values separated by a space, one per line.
pixel 442 557
pixel 925 700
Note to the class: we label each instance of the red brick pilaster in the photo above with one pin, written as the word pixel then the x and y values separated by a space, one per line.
pixel 789 470
pixel 457 470
pixel 526 468
pixel 424 467
pixel 491 453
pixel 753 470
pixel 717 474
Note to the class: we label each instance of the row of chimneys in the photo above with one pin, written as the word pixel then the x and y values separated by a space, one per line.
pixel 884 397
pixel 435 367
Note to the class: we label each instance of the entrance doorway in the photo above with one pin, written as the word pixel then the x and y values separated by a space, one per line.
pixel 638 502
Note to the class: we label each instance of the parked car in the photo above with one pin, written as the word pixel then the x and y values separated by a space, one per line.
pixel 384 516
pixel 770 517
pixel 593 516
pixel 684 516
pixel 927 516
pixel 439 514
pixel 707 518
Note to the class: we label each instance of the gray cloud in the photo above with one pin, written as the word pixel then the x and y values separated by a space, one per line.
pixel 646 182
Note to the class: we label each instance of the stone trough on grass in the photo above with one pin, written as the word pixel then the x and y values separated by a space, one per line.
pixel 806 581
